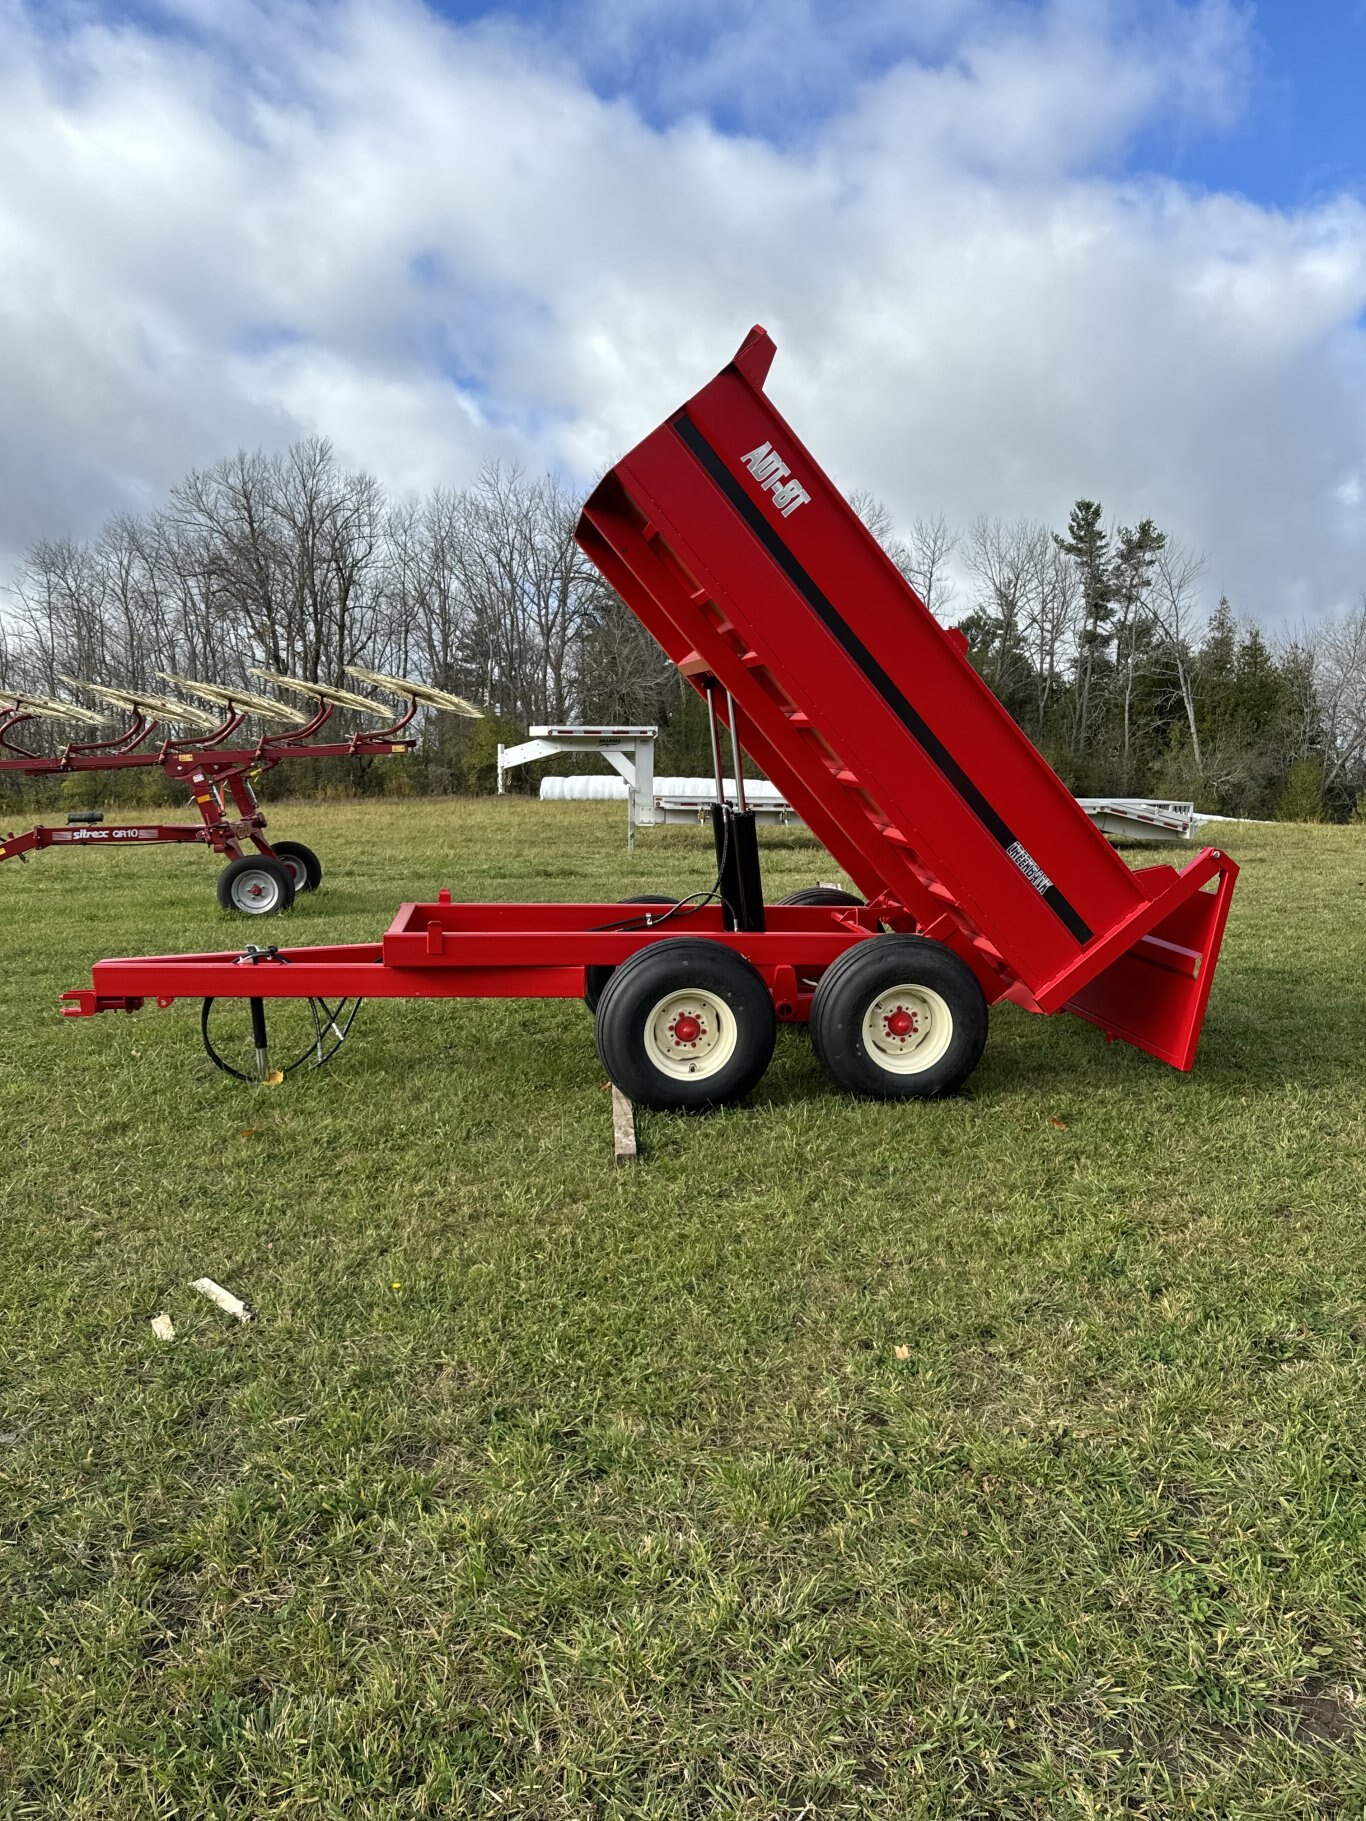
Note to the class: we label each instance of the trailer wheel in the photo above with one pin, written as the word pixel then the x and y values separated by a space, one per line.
pixel 899 1018
pixel 595 978
pixel 821 894
pixel 685 1025
pixel 255 886
pixel 301 863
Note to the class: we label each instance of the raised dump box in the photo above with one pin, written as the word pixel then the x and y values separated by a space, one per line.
pixel 982 876
pixel 732 545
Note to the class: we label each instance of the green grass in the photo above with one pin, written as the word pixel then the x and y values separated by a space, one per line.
pixel 541 1488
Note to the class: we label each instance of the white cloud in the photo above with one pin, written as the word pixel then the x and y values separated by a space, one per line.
pixel 437 243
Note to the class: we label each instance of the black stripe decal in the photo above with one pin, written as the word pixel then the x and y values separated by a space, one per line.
pixel 924 735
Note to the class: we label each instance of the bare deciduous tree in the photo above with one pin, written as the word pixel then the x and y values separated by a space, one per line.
pixel 933 542
pixel 924 560
pixel 1178 621
pixel 1337 651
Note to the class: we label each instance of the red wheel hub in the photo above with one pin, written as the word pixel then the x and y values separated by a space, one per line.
pixel 901 1023
pixel 686 1028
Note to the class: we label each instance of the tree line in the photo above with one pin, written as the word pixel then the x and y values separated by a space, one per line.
pixel 1097 640
pixel 1095 636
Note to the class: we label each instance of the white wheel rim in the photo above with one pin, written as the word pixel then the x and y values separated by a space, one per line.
pixel 255 892
pixel 296 869
pixel 907 1029
pixel 690 1035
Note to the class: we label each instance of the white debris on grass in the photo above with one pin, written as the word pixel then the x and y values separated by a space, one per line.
pixel 163 1327
pixel 230 1304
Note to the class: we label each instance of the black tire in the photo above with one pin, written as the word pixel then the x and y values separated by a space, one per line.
pixel 255 886
pixel 821 894
pixel 595 978
pixel 301 863
pixel 718 994
pixel 843 1011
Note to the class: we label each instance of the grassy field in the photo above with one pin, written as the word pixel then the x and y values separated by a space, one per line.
pixel 997 1458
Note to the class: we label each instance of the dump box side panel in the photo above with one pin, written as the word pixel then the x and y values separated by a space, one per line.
pixel 735 549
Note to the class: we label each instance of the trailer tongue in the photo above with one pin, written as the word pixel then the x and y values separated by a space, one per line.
pixel 983 877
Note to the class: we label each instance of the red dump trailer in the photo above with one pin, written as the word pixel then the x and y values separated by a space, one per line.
pixel 982 878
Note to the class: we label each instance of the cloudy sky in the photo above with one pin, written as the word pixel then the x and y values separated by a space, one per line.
pixel 1012 251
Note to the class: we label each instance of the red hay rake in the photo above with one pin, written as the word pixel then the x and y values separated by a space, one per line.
pixel 220 778
pixel 982 877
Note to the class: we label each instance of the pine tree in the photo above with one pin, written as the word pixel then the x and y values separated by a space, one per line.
pixel 1088 544
pixel 1131 580
pixel 1214 668
pixel 1301 798
pixel 1259 698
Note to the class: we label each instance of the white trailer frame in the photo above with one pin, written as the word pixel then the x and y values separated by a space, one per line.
pixel 630 751
pixel 1141 818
